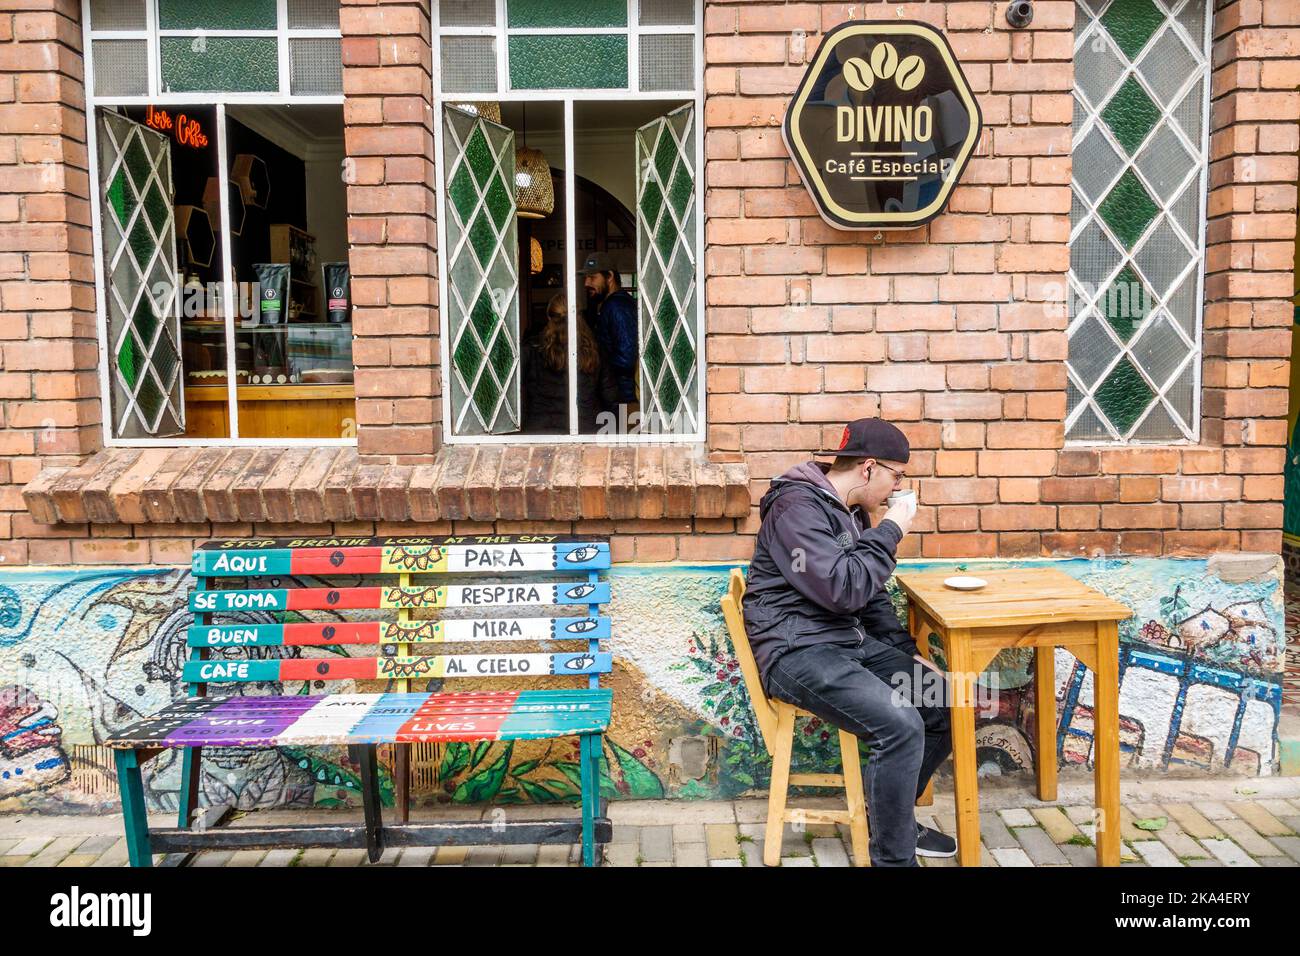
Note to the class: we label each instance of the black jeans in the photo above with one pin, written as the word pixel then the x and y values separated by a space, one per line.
pixel 873 692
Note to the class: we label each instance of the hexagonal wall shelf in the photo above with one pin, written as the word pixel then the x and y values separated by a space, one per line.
pixel 254 182
pixel 194 235
pixel 234 204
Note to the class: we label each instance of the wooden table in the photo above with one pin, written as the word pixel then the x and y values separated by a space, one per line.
pixel 1042 608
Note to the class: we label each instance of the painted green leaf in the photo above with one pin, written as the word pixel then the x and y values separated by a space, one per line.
pixel 520 769
pixel 485 784
pixel 571 770
pixel 640 779
pixel 480 751
pixel 536 792
pixel 454 760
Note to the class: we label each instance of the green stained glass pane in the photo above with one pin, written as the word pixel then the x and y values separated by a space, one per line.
pixel 120 197
pixel 1124 395
pixel 144 323
pixel 486 394
pixel 483 239
pixel 665 155
pixel 156 206
pixel 462 191
pixel 548 13
pixel 483 317
pixel 150 398
pixel 129 359
pixel 1126 303
pixel 670 394
pixel 478 155
pixel 1132 23
pixel 219 64
pixel 467 356
pixel 654 357
pixel 1127 209
pixel 142 243
pixel 651 200
pixel 502 356
pixel 679 193
pixel 585 61
pixel 226 15
pixel 136 161
pixel 666 317
pixel 1131 115
pixel 683 353
pixel 666 238
pixel 499 203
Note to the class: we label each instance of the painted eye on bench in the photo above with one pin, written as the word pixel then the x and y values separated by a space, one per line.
pixel 581 591
pixel 581 627
pixel 579 663
pixel 583 554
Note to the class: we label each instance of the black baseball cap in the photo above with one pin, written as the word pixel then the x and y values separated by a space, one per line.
pixel 871 438
pixel 599 262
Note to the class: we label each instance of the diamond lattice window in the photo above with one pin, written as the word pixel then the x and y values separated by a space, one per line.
pixel 1137 220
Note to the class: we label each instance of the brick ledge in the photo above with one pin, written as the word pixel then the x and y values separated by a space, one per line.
pixel 464 482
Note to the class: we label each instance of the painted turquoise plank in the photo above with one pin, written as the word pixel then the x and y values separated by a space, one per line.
pixel 235 635
pixel 241 563
pixel 590 794
pixel 221 671
pixel 276 599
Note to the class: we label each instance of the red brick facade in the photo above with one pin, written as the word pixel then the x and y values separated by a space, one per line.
pixel 956 331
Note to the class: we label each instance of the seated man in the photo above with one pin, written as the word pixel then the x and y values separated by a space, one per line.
pixel 825 635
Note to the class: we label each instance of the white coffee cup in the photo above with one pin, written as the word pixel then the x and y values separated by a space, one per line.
pixel 906 497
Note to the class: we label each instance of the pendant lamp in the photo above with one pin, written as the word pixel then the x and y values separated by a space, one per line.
pixel 534 193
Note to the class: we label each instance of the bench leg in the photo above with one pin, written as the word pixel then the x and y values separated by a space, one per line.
pixel 364 757
pixel 133 810
pixel 188 798
pixel 589 745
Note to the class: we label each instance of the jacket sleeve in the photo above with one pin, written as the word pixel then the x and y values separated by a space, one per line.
pixel 622 333
pixel 881 622
pixel 842 580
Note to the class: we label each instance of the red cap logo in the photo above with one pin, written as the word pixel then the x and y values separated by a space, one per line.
pixel 844 439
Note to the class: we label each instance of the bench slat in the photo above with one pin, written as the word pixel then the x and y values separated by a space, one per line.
pixel 376 718
pixel 399 632
pixel 403 559
pixel 387 597
pixel 396 667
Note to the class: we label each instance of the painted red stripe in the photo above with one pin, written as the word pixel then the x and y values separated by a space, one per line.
pixel 327 599
pixel 439 702
pixel 326 668
pixel 451 727
pixel 336 632
pixel 364 560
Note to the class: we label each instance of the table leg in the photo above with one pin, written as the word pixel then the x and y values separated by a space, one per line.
pixel 966 796
pixel 920 634
pixel 1105 743
pixel 1045 715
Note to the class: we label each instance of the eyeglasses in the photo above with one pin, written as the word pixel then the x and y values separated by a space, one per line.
pixel 899 476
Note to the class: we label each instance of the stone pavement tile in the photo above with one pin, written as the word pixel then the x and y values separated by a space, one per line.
pixel 115 855
pixel 1193 821
pixel 211 858
pixel 281 856
pixel 721 840
pixel 1290 845
pixel 518 854
pixel 483 856
pixel 797 861
pixel 987 859
pixel 1056 823
pixel 55 851
pixel 352 856
pixel 79 859
pixel 1017 817
pixel 1179 843
pixel 947 821
pixel 994 833
pixel 98 843
pixel 653 813
pixel 625 834
pixel 758 831
pixel 1011 856
pixel 1213 810
pixel 1127 831
pixel 1079 855
pixel 748 811
pixel 688 832
pixel 6 844
pixel 621 854
pixel 247 857
pixel 1229 853
pixel 316 856
pixel 1078 814
pixel 656 844
pixel 1246 838
pixel 830 852
pixel 1293 823
pixel 417 856
pixel 735 862
pixel 1155 853
pixel 1279 808
pixel 690 854
pixel 752 853
pixel 1147 811
pixel 29 846
pixel 1260 820
pixel 554 854
pixel 1125 854
pixel 1040 848
pixel 1275 861
pixel 1209 862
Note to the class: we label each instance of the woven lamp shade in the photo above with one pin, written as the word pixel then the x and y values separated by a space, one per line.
pixel 489 110
pixel 534 194
pixel 535 262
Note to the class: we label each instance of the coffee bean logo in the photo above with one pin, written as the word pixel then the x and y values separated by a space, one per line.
pixel 327 631
pixel 332 597
pixel 884 60
pixel 857 73
pixel 910 73
pixel 336 558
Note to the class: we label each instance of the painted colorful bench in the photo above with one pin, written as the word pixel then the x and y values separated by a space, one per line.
pixel 480 589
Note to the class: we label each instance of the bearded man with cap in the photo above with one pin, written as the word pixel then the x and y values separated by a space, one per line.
pixel 612 313
pixel 825 634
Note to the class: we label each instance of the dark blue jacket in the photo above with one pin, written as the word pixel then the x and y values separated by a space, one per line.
pixel 819 572
pixel 615 329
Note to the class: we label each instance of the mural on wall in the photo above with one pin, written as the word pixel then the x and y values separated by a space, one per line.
pixel 86 651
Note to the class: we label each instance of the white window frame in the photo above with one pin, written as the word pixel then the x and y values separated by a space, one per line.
pixel 156 97
pixel 1202 46
pixel 567 97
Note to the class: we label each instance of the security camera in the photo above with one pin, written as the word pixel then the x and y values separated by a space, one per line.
pixel 1020 12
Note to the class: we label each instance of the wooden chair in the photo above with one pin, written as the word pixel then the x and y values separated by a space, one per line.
pixel 776 721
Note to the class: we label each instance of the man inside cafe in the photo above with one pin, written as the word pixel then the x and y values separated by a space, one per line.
pixel 825 635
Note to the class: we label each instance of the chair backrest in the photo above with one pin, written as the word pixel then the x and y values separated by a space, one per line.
pixel 408 574
pixel 731 612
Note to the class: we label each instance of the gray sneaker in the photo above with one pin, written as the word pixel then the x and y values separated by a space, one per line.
pixel 930 842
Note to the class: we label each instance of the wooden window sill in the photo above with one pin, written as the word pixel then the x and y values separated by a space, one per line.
pixel 315 485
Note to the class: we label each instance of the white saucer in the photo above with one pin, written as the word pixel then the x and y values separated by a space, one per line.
pixel 964 582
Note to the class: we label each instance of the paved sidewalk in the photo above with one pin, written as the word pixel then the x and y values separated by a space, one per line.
pixel 1205 822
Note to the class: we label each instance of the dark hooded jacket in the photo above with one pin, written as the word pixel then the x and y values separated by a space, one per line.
pixel 819 572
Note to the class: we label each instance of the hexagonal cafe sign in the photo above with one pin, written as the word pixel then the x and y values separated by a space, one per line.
pixel 882 125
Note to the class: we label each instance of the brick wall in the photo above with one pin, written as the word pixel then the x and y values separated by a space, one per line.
pixel 955 330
